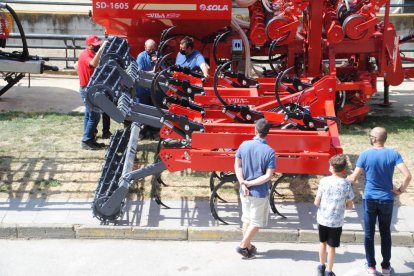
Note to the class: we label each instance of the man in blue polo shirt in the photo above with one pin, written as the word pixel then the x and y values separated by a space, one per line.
pixel 378 164
pixel 254 166
pixel 188 57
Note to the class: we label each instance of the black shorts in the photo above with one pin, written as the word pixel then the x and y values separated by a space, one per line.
pixel 332 236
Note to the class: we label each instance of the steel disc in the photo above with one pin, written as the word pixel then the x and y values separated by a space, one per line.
pixel 350 27
pixel 274 24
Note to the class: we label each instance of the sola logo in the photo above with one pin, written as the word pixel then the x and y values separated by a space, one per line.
pixel 204 7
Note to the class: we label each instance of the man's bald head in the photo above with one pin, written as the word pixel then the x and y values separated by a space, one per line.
pixel 150 45
pixel 379 133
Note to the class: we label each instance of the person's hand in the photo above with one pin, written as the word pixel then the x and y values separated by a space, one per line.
pixel 154 58
pixel 245 189
pixel 102 46
pixel 397 192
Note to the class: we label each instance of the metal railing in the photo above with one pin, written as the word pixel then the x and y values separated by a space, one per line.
pixel 71 43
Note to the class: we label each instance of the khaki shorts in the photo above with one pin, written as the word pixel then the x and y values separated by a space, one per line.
pixel 255 210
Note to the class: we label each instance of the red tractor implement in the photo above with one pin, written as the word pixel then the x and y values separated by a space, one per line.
pixel 324 58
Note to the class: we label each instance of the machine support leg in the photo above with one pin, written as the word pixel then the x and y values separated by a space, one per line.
pixel 10 82
pixel 273 193
pixel 214 196
pixel 386 101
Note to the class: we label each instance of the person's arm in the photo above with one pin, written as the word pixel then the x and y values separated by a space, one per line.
pixel 94 62
pixel 318 197
pixel 238 169
pixel 201 62
pixel 204 68
pixel 355 174
pixel 407 179
pixel 317 201
pixel 261 179
pixel 349 204
pixel 140 62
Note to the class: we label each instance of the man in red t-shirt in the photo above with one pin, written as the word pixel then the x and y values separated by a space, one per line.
pixel 87 61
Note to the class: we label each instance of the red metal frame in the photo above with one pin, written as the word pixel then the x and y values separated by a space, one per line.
pixel 329 33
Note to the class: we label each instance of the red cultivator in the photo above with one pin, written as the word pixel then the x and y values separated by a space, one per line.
pixel 321 71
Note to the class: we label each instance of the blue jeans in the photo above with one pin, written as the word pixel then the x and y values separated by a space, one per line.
pixel 381 209
pixel 144 96
pixel 91 119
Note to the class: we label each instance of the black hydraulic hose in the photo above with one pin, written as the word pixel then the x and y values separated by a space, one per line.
pixel 215 82
pixel 160 61
pixel 271 48
pixel 25 53
pixel 267 60
pixel 162 46
pixel 216 43
pixel 407 38
pixel 165 33
pixel 277 87
pixel 154 82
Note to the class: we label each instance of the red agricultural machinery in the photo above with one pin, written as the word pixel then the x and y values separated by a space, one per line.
pixel 320 63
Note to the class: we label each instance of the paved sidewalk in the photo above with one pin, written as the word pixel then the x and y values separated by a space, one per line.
pixel 184 220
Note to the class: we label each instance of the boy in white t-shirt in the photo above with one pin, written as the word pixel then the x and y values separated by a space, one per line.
pixel 333 196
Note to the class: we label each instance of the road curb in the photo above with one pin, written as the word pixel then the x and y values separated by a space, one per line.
pixel 222 233
pixel 128 232
pixel 8 231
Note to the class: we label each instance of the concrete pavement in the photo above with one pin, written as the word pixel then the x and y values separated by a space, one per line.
pixel 132 257
pixel 184 220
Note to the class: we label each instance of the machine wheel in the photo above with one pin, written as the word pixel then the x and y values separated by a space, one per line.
pixel 274 24
pixel 97 205
pixel 350 27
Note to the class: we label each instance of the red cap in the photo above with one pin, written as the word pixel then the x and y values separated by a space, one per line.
pixel 93 40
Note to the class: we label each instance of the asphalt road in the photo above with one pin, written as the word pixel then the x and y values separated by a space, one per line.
pixel 132 257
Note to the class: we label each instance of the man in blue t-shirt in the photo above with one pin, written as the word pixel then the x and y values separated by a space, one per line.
pixel 188 57
pixel 254 166
pixel 378 164
pixel 146 61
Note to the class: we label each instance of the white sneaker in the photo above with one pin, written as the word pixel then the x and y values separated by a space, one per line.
pixel 371 271
pixel 387 271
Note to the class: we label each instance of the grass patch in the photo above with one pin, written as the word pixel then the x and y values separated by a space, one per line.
pixel 44 183
pixel 4 188
pixel 39 151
